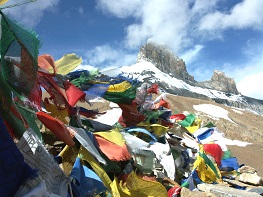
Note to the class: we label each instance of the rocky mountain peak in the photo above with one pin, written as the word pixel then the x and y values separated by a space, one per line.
pixel 221 82
pixel 169 63
pixel 164 60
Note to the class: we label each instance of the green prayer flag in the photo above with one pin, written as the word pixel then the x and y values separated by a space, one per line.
pixel 19 54
pixel 125 97
pixel 189 119
pixel 209 163
pixel 209 125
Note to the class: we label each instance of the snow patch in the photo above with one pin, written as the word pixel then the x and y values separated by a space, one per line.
pixel 237 111
pixel 140 71
pixel 97 100
pixel 110 117
pixel 213 110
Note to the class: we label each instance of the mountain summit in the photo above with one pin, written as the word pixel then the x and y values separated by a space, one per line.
pixel 157 64
pixel 165 60
pixel 221 82
pixel 170 64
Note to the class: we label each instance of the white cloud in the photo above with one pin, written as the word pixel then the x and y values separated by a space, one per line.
pixel 161 21
pixel 120 8
pixel 85 66
pixel 203 6
pixel 108 56
pixel 249 76
pixel 29 14
pixel 251 85
pixel 249 80
pixel 181 24
pixel 247 14
pixel 80 10
pixel 101 54
pixel 192 54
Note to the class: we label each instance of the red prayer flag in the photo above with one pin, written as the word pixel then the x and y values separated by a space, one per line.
pixel 178 116
pixel 162 103
pixel 113 151
pixel 215 151
pixel 153 89
pixel 56 126
pixel 45 62
pixel 73 93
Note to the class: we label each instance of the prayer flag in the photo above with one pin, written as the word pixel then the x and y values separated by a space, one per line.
pixel 67 63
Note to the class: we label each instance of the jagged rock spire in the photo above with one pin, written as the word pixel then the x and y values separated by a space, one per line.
pixel 221 82
pixel 165 60
pixel 169 63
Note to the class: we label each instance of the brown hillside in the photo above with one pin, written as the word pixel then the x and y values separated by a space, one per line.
pixel 246 127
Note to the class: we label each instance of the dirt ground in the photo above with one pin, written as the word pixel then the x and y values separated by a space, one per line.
pixel 246 126
pixel 250 155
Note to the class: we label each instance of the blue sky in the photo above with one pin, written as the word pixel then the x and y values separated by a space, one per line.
pixel 225 35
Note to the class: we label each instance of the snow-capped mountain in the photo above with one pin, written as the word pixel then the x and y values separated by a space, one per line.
pixel 174 79
pixel 146 71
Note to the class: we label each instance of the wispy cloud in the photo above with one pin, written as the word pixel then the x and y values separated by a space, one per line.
pixel 30 14
pixel 81 10
pixel 108 56
pixel 249 75
pixel 71 11
pixel 247 14
pixel 191 55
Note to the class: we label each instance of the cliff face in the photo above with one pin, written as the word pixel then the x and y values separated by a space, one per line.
pixel 170 64
pixel 221 82
pixel 162 58
pixel 165 60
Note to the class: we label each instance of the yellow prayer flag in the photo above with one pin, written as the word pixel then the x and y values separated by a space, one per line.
pixel 157 128
pixel 67 63
pixel 195 125
pixel 61 114
pixel 119 190
pixel 113 136
pixel 136 186
pixel 205 172
pixel 120 87
pixel 85 155
pixel 68 155
pixel 141 187
pixel 3 1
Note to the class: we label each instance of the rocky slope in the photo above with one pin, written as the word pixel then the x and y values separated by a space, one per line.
pixel 163 59
pixel 245 126
pixel 221 82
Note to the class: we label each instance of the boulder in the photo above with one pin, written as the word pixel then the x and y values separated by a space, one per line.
pixel 225 191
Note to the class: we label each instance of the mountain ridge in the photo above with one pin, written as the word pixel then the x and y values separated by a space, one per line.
pixel 146 71
pixel 169 63
pixel 163 59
